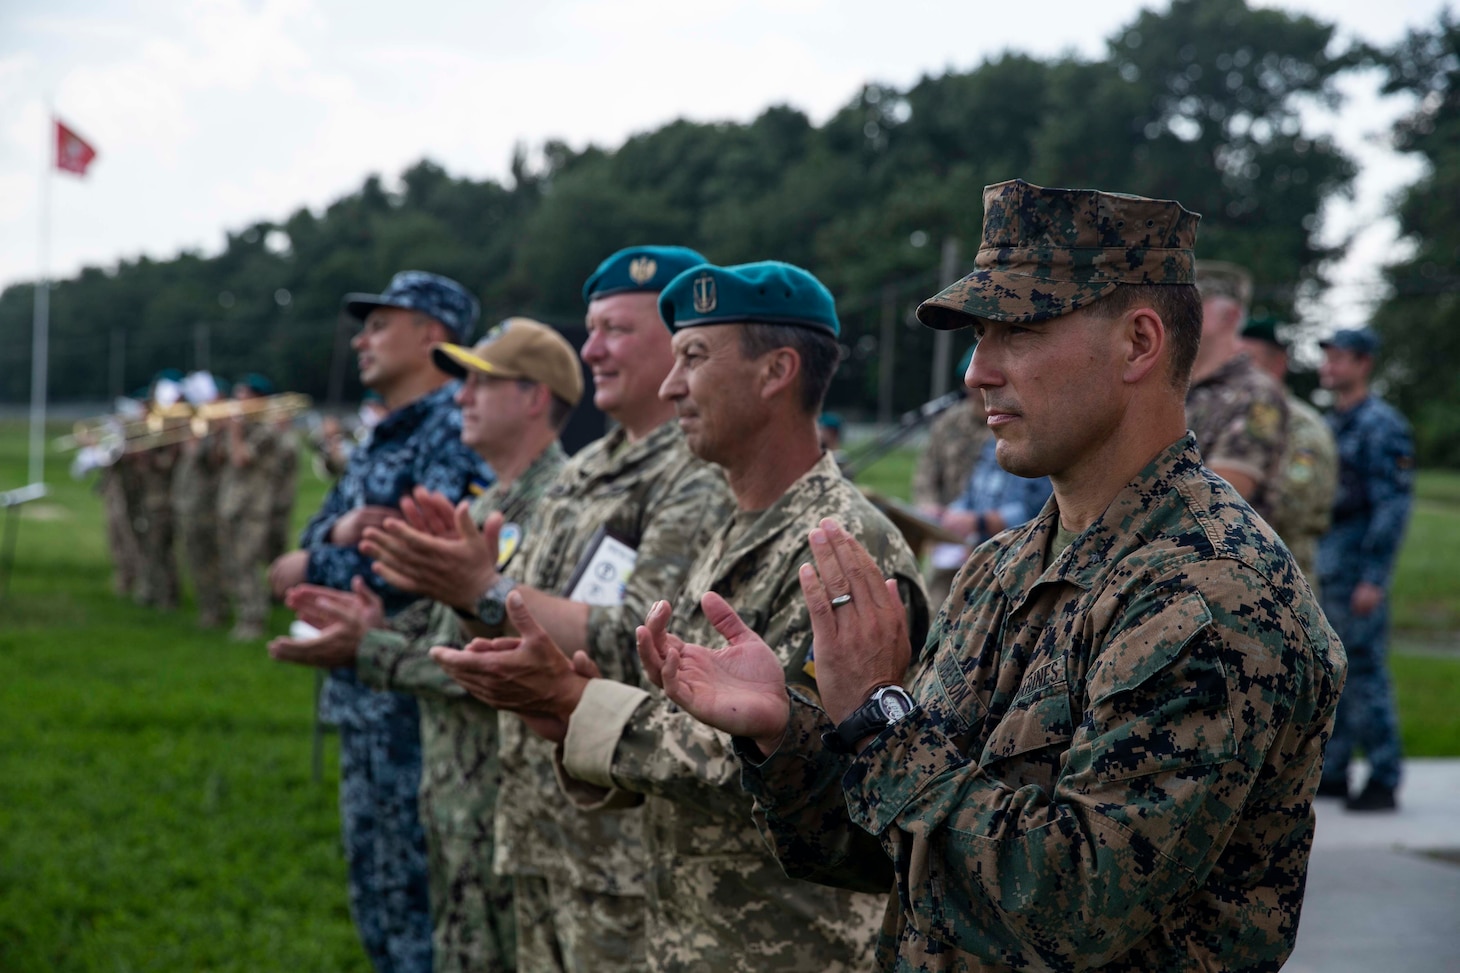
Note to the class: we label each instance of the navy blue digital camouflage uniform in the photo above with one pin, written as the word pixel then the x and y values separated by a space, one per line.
pixel 1375 484
pixel 380 743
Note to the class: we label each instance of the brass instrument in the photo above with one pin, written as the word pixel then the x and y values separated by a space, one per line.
pixel 106 439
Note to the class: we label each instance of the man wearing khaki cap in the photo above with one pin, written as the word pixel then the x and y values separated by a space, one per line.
pixel 519 387
pixel 1109 757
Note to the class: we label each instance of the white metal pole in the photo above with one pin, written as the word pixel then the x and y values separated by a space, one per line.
pixel 40 350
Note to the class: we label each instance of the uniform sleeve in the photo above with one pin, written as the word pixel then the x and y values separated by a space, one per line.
pixel 678 523
pixel 317 531
pixel 446 465
pixel 1254 439
pixel 1155 768
pixel 1389 454
pixel 391 660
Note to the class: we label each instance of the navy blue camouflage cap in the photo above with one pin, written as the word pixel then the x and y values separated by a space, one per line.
pixel 431 294
pixel 766 292
pixel 647 268
pixel 1360 341
pixel 1048 252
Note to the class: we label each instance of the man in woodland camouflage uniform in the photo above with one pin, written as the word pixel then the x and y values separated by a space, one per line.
pixel 955 439
pixel 1238 414
pixel 579 878
pixel 1110 759
pixel 1310 467
pixel 520 385
pixel 747 393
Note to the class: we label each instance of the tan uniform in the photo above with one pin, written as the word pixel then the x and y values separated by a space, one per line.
pixel 1310 483
pixel 941 474
pixel 195 508
pixel 245 509
pixel 580 877
pixel 1239 415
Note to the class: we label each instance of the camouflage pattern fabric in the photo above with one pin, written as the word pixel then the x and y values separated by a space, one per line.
pixel 570 930
pixel 942 468
pixel 471 907
pixel 1310 482
pixel 1047 252
pixel 156 530
pixel 1113 759
pixel 245 509
pixel 666 503
pixel 1375 492
pixel 285 488
pixel 717 898
pixel 195 487
pixel 121 537
pixel 1239 416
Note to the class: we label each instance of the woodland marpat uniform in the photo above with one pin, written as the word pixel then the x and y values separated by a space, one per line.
pixel 1239 416
pixel 471 908
pixel 717 899
pixel 1114 755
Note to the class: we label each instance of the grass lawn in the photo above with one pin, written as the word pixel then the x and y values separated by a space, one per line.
pixel 156 806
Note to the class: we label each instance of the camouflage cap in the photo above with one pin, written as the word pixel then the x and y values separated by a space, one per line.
pixel 646 268
pixel 765 292
pixel 518 348
pixel 1217 278
pixel 1047 252
pixel 431 294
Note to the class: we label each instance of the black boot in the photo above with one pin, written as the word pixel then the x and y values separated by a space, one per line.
pixel 1333 788
pixel 1374 797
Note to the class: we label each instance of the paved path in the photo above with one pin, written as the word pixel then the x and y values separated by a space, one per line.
pixel 1376 901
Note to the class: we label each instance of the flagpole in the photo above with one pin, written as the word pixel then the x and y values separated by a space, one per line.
pixel 40 340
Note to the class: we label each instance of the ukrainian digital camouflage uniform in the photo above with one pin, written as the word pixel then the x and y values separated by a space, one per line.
pixel 121 536
pixel 245 509
pixel 156 531
pixel 1310 481
pixel 1113 758
pixel 1239 415
pixel 717 898
pixel 286 487
pixel 195 507
pixel 471 907
pixel 1375 488
pixel 580 877
pixel 380 740
pixel 942 470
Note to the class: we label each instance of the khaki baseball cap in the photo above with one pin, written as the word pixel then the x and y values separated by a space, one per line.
pixel 1217 278
pixel 518 348
pixel 1048 252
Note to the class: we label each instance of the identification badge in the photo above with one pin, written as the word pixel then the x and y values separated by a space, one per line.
pixel 604 570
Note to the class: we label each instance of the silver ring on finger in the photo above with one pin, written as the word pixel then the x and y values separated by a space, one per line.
pixel 840 600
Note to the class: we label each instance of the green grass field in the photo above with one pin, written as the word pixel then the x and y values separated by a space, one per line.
pixel 157 810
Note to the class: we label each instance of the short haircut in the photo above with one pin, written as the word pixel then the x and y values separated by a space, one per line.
pixel 818 351
pixel 559 410
pixel 1179 306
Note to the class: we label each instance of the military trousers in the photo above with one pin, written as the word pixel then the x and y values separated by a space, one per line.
pixel 1366 718
pixel 385 846
pixel 563 929
pixel 473 924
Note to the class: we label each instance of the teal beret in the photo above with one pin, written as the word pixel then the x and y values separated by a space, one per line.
pixel 639 269
pixel 1263 329
pixel 767 292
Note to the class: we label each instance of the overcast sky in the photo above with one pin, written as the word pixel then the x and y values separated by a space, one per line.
pixel 210 114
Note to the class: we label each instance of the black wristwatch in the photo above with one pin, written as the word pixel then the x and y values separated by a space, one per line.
pixel 491 607
pixel 885 707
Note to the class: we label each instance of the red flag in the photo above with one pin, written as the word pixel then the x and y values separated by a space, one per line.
pixel 72 152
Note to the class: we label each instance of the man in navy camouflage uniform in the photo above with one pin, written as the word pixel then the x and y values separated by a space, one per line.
pixel 418 443
pixel 1109 757
pixel 1356 560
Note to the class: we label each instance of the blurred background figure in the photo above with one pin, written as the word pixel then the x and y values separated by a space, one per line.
pixel 195 483
pixel 1356 562
pixel 994 500
pixel 1310 466
pixel 153 468
pixel 941 475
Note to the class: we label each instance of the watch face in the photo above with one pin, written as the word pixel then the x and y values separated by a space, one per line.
pixel 491 611
pixel 895 704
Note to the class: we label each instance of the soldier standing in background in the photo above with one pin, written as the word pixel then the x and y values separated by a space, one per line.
pixel 121 536
pixel 1238 414
pixel 1356 563
pixel 747 394
pixel 195 504
pixel 253 452
pixel 284 489
pixel 637 503
pixel 954 441
pixel 155 528
pixel 1310 468
pixel 1110 759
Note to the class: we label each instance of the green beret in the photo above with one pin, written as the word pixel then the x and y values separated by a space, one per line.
pixel 639 269
pixel 766 292
pixel 1263 329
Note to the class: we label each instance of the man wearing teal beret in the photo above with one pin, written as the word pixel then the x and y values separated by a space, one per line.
pixel 754 352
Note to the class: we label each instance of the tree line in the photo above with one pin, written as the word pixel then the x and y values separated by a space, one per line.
pixel 1200 102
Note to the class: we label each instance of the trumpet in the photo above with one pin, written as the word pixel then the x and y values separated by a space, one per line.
pixel 104 440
